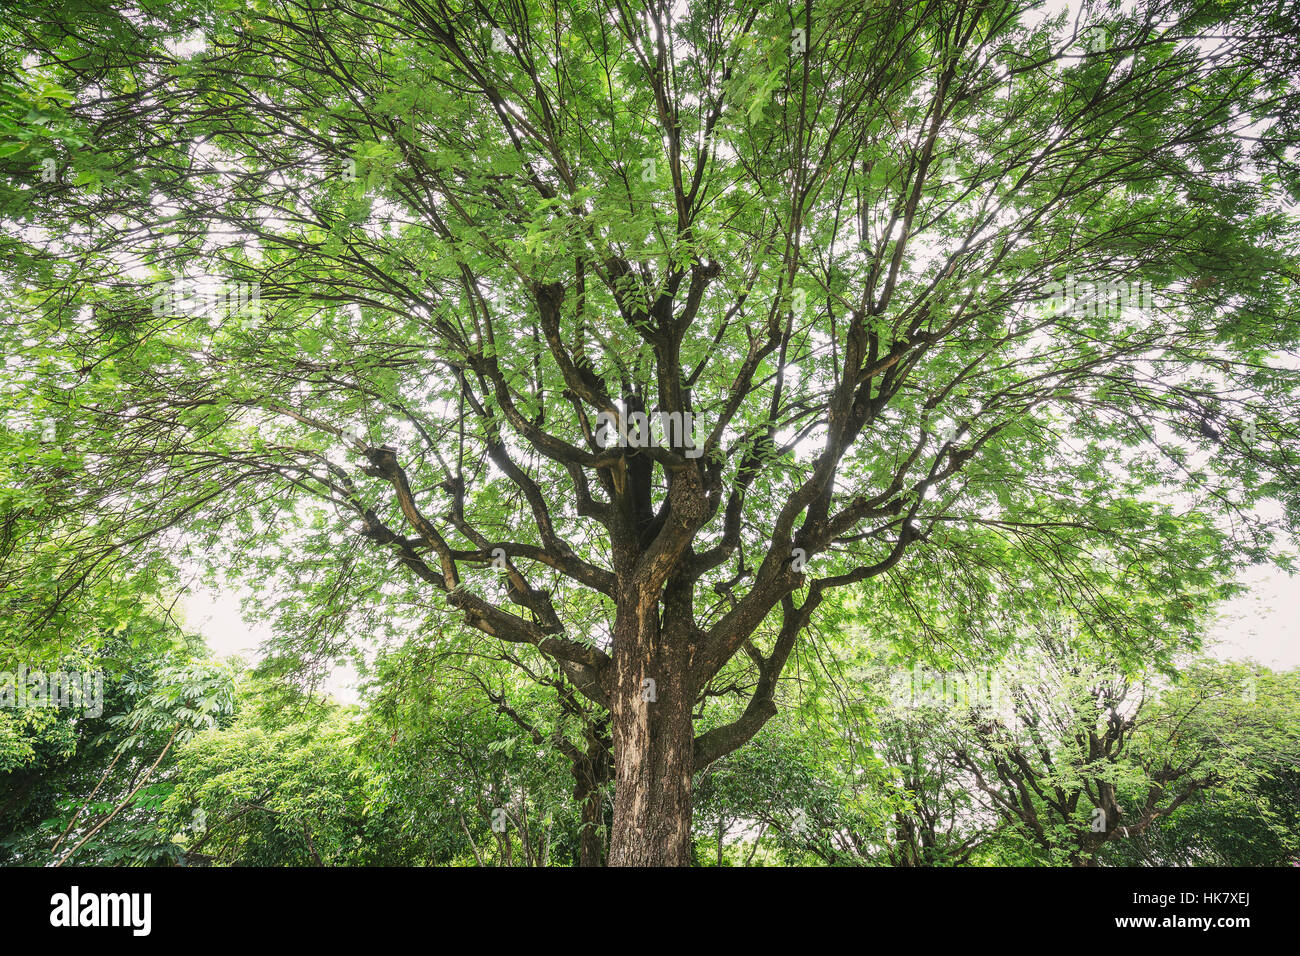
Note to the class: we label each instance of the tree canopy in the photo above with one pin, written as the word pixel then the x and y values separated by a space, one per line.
pixel 604 344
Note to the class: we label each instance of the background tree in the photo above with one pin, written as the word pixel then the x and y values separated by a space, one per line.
pixel 1081 755
pixel 1257 827
pixel 492 767
pixel 85 786
pixel 1240 723
pixel 295 795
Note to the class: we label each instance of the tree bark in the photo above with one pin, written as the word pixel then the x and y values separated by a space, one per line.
pixel 653 740
pixel 652 798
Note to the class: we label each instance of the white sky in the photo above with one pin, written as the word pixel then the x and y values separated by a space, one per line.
pixel 1263 624
pixel 216 615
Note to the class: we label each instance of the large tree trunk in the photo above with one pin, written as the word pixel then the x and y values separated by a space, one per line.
pixel 652 796
pixel 653 745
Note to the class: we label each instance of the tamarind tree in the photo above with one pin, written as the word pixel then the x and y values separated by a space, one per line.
pixel 346 294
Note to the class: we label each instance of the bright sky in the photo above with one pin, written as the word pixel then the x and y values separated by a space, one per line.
pixel 216 615
pixel 1263 624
